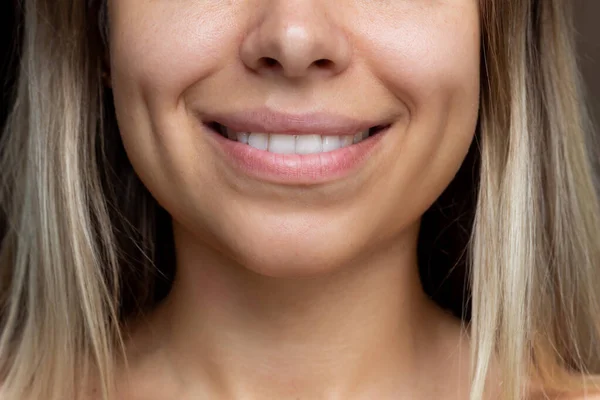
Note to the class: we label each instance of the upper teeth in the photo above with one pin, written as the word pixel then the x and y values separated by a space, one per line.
pixel 295 144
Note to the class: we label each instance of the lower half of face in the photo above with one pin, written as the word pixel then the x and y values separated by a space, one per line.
pixel 295 136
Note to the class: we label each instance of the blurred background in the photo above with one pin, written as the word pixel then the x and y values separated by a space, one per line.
pixel 588 14
pixel 588 26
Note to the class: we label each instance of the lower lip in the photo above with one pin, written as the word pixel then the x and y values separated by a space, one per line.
pixel 297 168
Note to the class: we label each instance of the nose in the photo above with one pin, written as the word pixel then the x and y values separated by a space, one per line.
pixel 296 39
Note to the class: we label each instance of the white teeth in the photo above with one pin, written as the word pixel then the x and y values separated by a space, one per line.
pixel 295 144
pixel 282 144
pixel 331 143
pixel 309 144
pixel 242 137
pixel 258 141
pixel 359 137
pixel 346 141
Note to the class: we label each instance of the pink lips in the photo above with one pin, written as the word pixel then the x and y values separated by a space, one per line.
pixel 293 168
pixel 264 120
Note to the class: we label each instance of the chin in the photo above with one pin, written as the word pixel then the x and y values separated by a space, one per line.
pixel 286 263
pixel 294 253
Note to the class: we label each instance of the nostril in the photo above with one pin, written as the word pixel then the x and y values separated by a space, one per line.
pixel 269 62
pixel 272 63
pixel 323 63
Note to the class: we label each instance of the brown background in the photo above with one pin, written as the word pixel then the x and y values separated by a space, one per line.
pixel 588 24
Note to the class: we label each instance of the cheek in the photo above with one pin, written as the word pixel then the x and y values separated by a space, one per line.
pixel 431 62
pixel 157 51
pixel 160 50
pixel 425 57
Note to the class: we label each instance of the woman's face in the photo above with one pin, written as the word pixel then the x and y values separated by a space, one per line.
pixel 312 74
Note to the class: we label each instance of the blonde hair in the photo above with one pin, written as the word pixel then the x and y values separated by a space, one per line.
pixel 77 256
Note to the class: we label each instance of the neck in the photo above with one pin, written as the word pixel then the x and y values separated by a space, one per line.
pixel 312 337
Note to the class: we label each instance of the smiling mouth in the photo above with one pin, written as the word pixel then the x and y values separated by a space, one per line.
pixel 294 144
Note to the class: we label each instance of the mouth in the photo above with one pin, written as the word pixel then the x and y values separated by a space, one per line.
pixel 296 149
pixel 301 144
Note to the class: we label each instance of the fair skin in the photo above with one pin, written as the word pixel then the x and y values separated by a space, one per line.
pixel 296 290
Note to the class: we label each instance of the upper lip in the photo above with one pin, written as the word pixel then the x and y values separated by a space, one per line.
pixel 268 121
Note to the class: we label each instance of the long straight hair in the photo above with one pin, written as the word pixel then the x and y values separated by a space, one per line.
pixel 511 246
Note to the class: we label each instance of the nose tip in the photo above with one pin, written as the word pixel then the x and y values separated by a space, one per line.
pixel 294 44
